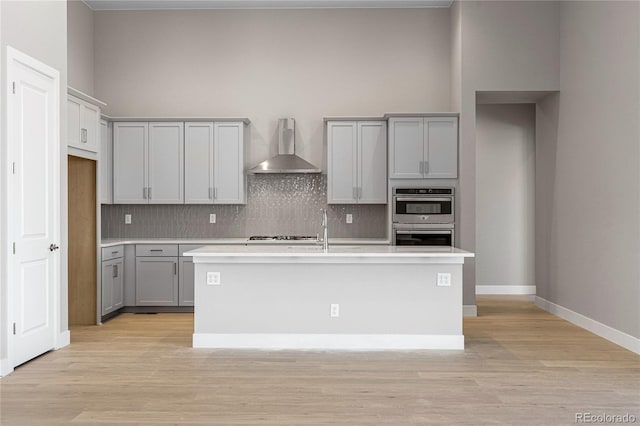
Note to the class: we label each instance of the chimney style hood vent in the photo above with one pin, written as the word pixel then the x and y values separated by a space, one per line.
pixel 286 161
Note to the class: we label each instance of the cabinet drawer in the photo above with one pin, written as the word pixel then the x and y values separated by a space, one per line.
pixel 114 252
pixel 157 250
pixel 188 247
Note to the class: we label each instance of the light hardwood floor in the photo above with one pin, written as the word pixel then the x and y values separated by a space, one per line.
pixel 521 366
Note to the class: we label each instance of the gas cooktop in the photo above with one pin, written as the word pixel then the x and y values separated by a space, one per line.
pixel 282 237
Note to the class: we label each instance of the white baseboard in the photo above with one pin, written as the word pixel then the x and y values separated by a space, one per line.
pixel 505 289
pixel 63 339
pixel 470 310
pixel 328 341
pixel 611 334
pixel 5 367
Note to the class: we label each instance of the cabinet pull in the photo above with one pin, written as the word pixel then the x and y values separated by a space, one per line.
pixel 215 193
pixel 160 250
pixel 83 135
pixel 175 268
pixel 115 271
pixel 114 252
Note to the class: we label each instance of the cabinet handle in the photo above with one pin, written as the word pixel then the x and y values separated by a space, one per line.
pixel 160 250
pixel 83 135
pixel 175 268
pixel 115 271
pixel 114 252
pixel 215 193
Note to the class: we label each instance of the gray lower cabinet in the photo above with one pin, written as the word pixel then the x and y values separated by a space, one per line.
pixel 185 288
pixel 156 281
pixel 112 285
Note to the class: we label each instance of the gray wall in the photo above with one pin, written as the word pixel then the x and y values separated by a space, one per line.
pixel 588 163
pixel 266 64
pixel 505 189
pixel 39 29
pixel 505 46
pixel 276 205
pixel 80 46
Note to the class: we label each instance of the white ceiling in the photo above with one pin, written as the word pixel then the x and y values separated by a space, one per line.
pixel 260 4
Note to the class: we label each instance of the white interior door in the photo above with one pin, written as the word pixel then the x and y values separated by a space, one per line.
pixel 33 128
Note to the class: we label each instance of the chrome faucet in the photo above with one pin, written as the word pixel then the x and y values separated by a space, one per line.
pixel 325 230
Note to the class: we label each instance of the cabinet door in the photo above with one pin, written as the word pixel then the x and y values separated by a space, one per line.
pixel 228 172
pixel 406 148
pixel 156 281
pixel 106 163
pixel 130 163
pixel 372 162
pixel 441 147
pixel 198 163
pixel 342 181
pixel 117 284
pixel 185 282
pixel 74 108
pixel 89 127
pixel 107 287
pixel 166 161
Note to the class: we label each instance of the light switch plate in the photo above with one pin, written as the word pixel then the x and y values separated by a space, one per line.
pixel 335 310
pixel 212 218
pixel 127 219
pixel 444 279
pixel 349 218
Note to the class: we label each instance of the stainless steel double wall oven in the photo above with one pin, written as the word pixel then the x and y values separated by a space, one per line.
pixel 423 217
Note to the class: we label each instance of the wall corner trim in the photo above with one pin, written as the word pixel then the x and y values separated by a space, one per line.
pixel 606 332
pixel 470 310
pixel 64 339
pixel 505 289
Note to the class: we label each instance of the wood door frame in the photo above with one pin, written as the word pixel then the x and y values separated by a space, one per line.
pixel 60 338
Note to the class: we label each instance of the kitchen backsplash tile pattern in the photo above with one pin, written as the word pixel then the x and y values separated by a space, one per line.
pixel 276 205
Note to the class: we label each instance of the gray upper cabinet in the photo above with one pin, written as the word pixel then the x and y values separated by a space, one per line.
pixel 106 163
pixel 148 160
pixel 357 162
pixel 214 163
pixel 82 124
pixel 130 145
pixel 165 163
pixel 423 147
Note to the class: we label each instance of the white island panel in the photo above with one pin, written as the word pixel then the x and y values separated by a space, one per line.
pixel 281 297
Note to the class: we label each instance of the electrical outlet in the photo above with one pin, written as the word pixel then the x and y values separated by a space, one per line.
pixel 335 310
pixel 349 218
pixel 127 219
pixel 212 218
pixel 213 278
pixel 444 279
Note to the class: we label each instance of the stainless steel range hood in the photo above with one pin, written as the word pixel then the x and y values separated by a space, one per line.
pixel 286 161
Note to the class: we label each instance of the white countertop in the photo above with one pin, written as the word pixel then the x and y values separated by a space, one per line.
pixel 355 251
pixel 239 241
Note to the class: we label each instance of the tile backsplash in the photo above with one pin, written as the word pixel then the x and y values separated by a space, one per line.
pixel 277 204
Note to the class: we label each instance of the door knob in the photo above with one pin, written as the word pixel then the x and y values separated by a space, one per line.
pixel 53 247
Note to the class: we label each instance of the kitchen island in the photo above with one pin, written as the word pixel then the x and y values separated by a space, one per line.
pixel 350 297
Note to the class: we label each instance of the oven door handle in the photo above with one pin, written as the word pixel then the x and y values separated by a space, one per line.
pixel 404 199
pixel 423 232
